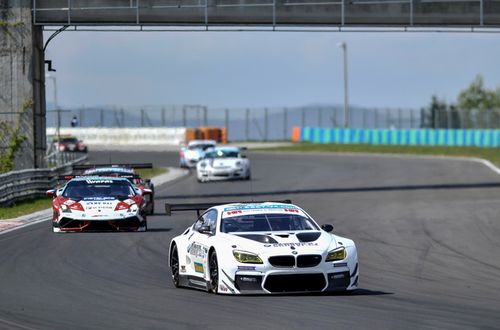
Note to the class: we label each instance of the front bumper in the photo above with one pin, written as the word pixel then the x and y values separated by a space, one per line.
pixel 326 277
pixel 221 174
pixel 79 223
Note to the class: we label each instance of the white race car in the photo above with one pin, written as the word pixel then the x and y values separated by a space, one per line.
pixel 223 163
pixel 260 247
pixel 195 150
pixel 98 203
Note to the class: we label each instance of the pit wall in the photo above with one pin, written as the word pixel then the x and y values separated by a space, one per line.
pixel 125 136
pixel 488 138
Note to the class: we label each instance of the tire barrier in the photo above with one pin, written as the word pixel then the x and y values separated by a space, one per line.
pixel 487 138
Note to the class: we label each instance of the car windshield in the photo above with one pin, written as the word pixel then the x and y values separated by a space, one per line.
pixel 220 153
pixel 69 140
pixel 200 146
pixel 130 177
pixel 98 188
pixel 266 222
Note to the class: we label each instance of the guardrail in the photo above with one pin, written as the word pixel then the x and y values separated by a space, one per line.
pixel 31 183
pixel 486 138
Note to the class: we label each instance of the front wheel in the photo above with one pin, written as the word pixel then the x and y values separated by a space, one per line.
pixel 174 266
pixel 214 273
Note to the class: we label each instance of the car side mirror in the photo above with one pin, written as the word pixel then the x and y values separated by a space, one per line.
pixel 205 230
pixel 51 193
pixel 243 156
pixel 328 228
pixel 147 192
pixel 148 181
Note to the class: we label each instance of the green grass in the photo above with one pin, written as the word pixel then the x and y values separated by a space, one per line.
pixel 30 206
pixel 148 173
pixel 491 154
pixel 25 207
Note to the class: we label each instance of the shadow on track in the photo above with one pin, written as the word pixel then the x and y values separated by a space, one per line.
pixel 340 190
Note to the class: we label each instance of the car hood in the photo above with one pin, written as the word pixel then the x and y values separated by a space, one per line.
pixel 283 242
pixel 225 162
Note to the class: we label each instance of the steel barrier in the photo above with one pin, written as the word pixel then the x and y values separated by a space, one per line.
pixel 31 183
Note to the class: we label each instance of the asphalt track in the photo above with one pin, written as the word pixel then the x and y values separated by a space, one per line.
pixel 427 232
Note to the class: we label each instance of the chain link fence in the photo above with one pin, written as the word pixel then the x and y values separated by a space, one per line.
pixel 266 124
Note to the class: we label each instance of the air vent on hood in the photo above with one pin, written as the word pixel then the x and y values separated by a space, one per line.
pixel 260 238
pixel 308 237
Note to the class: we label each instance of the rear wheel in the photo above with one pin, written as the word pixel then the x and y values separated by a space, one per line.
pixel 214 273
pixel 174 266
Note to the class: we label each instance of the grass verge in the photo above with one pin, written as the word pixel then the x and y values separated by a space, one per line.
pixel 38 204
pixel 148 173
pixel 24 207
pixel 491 154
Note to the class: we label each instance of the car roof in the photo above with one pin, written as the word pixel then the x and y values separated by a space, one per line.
pixel 99 178
pixel 110 169
pixel 194 142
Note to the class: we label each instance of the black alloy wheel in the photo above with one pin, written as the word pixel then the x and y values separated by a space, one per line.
pixel 174 266
pixel 214 273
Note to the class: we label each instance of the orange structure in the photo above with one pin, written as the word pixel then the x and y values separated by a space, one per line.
pixel 296 134
pixel 218 134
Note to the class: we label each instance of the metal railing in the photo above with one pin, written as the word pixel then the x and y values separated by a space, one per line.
pixel 269 13
pixel 31 183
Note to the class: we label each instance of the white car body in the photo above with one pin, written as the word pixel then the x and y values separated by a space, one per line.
pixel 291 261
pixel 194 151
pixel 223 163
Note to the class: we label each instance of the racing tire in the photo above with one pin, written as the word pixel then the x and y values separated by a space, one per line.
pixel 213 269
pixel 174 266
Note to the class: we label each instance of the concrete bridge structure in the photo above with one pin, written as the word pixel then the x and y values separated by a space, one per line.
pixel 22 72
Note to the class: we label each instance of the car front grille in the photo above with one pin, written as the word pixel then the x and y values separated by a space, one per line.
pixel 282 261
pixel 308 260
pixel 295 283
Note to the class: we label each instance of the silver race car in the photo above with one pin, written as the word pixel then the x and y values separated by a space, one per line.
pixel 260 248
pixel 223 163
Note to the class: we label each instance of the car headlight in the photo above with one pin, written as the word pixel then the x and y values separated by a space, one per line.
pixel 246 257
pixel 65 208
pixel 203 165
pixel 336 254
pixel 238 164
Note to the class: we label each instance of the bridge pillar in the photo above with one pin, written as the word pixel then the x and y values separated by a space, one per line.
pixel 22 87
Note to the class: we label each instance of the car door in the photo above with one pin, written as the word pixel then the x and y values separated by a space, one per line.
pixel 198 243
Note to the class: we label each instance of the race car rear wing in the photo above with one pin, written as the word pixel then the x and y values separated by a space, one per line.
pixel 131 165
pixel 203 206
pixel 72 176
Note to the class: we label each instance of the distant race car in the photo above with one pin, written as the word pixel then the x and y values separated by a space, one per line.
pixel 223 163
pixel 260 248
pixel 70 143
pixel 98 203
pixel 194 151
pixel 127 171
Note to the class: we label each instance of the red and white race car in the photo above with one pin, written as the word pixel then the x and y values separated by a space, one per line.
pixel 98 203
pixel 127 171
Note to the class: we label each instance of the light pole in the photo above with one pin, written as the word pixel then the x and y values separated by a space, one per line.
pixel 56 107
pixel 343 45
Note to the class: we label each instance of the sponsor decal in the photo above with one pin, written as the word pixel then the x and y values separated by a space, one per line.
pixel 260 207
pixel 98 198
pixel 340 264
pixel 98 181
pixel 197 250
pixel 183 269
pixel 294 252
pixel 223 288
pixel 198 267
pixel 292 244
pixel 246 267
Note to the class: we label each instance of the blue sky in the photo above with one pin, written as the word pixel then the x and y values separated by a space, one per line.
pixel 257 69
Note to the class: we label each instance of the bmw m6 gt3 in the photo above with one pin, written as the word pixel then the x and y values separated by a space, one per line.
pixel 260 248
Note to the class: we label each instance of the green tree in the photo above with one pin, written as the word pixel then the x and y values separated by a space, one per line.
pixel 480 106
